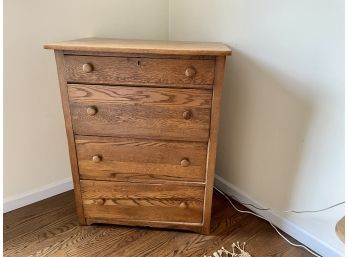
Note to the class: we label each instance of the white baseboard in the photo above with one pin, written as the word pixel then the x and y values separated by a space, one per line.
pixel 36 195
pixel 285 225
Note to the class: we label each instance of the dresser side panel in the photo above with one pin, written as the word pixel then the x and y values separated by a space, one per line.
pixel 70 135
pixel 213 140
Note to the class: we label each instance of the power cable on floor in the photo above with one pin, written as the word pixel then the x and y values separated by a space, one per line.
pixel 275 228
pixel 288 211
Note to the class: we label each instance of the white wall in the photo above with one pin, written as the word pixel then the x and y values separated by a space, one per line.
pixel 35 144
pixel 282 124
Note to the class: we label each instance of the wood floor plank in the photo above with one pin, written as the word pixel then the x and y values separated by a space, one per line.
pixel 37 215
pixel 87 244
pixel 103 244
pixel 50 228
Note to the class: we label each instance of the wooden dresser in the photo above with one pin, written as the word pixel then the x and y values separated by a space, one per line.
pixel 142 123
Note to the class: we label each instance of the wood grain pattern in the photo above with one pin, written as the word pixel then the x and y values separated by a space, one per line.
pixel 161 97
pixel 145 202
pixel 127 159
pixel 128 70
pixel 213 140
pixel 50 228
pixel 141 112
pixel 142 46
pixel 70 135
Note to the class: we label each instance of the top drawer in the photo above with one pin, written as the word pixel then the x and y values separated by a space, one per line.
pixel 136 70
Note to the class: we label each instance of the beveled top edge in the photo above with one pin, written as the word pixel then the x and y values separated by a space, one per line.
pixel 142 46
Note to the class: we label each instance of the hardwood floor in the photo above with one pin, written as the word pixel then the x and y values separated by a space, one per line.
pixel 49 228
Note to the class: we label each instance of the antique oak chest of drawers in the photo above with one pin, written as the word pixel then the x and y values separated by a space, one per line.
pixel 142 124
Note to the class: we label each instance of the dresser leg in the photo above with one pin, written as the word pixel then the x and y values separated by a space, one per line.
pixel 205 230
pixel 89 222
pixel 82 221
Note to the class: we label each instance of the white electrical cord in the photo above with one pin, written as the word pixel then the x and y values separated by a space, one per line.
pixel 276 229
pixel 287 211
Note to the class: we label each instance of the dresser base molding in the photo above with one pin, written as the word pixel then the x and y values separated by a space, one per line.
pixel 194 227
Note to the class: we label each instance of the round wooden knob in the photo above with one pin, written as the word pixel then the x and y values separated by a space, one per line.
pixel 92 110
pixel 185 162
pixel 87 67
pixel 96 158
pixel 187 115
pixel 190 72
pixel 99 201
pixel 183 205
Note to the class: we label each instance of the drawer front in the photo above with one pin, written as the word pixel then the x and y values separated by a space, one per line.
pixel 129 70
pixel 159 113
pixel 146 202
pixel 124 159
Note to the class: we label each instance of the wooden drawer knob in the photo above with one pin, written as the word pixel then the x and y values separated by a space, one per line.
pixel 183 205
pixel 99 201
pixel 92 110
pixel 190 72
pixel 185 162
pixel 187 115
pixel 96 158
pixel 87 67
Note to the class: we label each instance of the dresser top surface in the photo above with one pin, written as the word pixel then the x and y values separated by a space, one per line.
pixel 142 46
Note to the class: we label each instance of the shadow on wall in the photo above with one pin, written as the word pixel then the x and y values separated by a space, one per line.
pixel 262 130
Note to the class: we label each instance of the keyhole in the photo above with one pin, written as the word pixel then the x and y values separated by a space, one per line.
pixel 138 63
